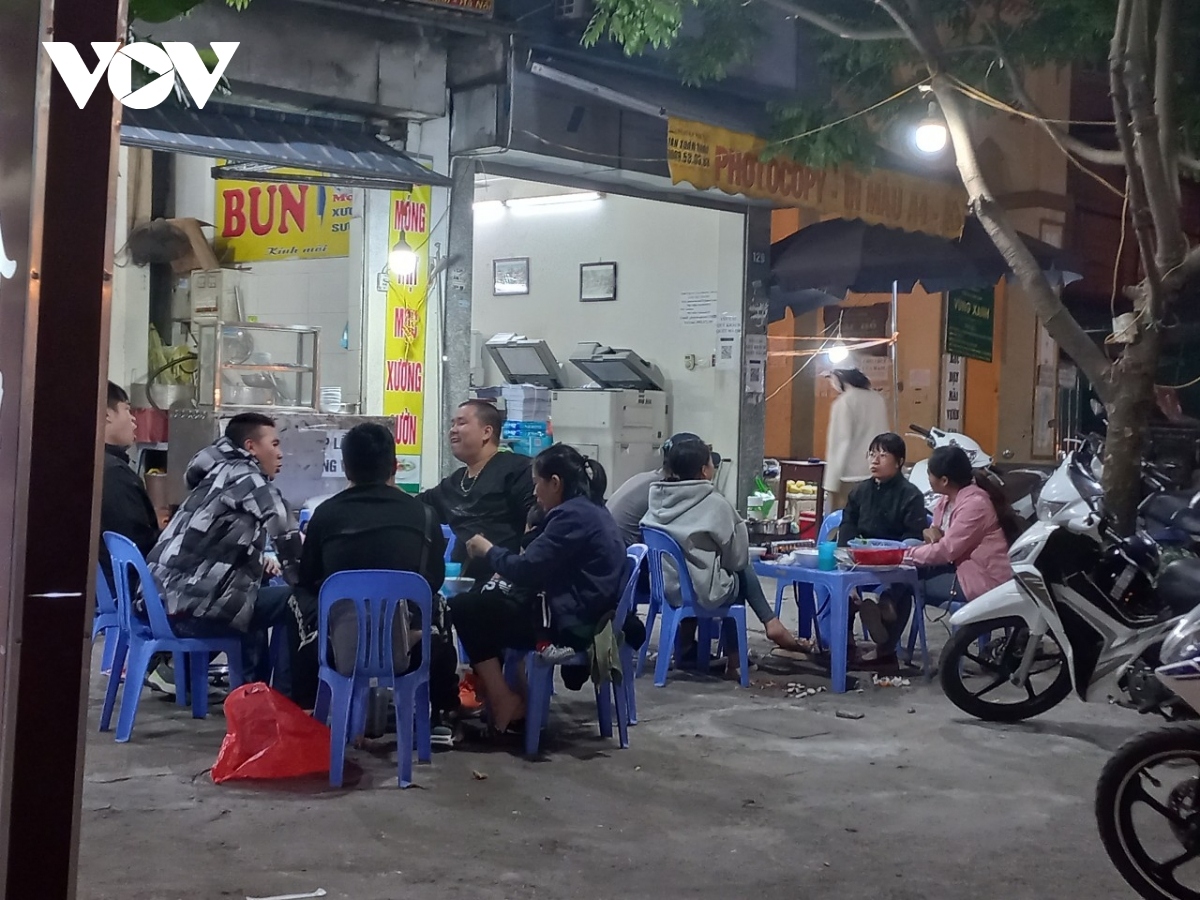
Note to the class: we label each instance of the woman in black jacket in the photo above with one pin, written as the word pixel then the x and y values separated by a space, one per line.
pixel 577 561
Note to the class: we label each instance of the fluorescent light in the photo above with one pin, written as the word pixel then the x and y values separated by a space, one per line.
pixel 489 207
pixel 554 199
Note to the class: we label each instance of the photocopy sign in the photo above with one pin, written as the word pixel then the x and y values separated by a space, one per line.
pixel 970 324
pixel 173 58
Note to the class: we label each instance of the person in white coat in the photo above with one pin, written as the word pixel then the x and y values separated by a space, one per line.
pixel 856 417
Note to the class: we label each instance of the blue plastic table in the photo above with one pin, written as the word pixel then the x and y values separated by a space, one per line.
pixel 834 588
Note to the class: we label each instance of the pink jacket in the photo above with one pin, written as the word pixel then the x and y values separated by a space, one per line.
pixel 973 543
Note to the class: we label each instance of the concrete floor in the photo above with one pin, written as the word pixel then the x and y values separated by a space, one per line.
pixel 724 793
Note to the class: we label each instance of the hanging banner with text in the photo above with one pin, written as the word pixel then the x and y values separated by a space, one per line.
pixel 970 323
pixel 404 342
pixel 260 221
pixel 706 157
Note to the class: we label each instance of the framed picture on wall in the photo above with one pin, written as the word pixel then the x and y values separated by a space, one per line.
pixel 510 277
pixel 597 282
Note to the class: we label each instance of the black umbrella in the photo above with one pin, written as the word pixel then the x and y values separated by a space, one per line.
pixel 799 302
pixel 840 255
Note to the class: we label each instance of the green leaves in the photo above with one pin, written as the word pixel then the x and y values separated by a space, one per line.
pixel 158 11
pixel 636 24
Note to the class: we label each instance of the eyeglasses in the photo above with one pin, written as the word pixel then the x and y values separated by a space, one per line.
pixel 875 455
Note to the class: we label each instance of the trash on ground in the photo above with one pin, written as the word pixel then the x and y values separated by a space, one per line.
pixel 846 714
pixel 478 776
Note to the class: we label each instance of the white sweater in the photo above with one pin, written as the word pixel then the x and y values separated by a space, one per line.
pixel 855 419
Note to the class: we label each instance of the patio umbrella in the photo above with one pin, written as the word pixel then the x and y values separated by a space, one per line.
pixel 799 302
pixel 840 255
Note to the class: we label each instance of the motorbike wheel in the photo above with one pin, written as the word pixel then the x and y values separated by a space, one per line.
pixel 999 660
pixel 1126 784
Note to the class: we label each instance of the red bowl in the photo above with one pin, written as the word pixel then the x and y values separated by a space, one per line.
pixel 875 557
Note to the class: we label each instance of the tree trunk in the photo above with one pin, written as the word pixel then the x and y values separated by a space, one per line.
pixel 1128 429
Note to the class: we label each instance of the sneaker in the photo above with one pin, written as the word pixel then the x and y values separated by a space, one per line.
pixel 556 655
pixel 161 679
pixel 442 736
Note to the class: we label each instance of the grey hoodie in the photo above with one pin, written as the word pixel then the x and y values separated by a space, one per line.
pixel 711 533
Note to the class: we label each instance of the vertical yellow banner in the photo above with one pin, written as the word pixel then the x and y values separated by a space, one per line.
pixel 404 344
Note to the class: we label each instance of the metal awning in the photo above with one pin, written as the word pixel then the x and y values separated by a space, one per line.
pixel 350 154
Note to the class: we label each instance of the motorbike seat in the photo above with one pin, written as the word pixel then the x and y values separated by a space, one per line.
pixel 1179 585
pixel 1187 520
pixel 1162 509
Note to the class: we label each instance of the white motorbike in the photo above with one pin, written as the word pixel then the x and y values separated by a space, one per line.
pixel 1086 611
pixel 1148 796
pixel 1020 486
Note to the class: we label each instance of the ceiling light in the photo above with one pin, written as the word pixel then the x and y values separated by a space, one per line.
pixel 489 207
pixel 554 199
pixel 838 354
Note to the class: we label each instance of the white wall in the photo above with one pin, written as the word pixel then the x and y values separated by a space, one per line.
pixel 128 335
pixel 661 250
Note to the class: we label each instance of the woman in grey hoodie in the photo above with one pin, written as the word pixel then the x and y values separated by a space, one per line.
pixel 688 507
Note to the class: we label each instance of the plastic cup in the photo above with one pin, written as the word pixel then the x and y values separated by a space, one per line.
pixel 827 557
pixel 453 570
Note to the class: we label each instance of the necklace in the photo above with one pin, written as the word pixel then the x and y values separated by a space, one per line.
pixel 462 482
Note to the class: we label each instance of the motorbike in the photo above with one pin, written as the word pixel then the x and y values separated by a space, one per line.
pixel 1148 796
pixel 1087 611
pixel 1021 486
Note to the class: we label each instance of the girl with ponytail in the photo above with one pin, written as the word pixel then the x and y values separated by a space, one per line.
pixel 972 524
pixel 576 561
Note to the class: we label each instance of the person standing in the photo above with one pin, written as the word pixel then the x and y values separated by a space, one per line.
pixel 125 507
pixel 858 414
pixel 491 494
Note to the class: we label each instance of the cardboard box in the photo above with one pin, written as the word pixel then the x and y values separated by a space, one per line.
pixel 202 255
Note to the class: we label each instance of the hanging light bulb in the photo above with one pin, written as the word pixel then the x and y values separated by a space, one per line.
pixel 837 354
pixel 931 134
pixel 402 260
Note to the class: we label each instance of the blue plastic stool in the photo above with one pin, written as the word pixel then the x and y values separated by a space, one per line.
pixel 661 546
pixel 377 595
pixel 106 621
pixel 140 640
pixel 540 674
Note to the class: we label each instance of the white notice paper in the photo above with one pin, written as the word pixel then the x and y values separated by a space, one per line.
pixel 729 336
pixel 756 364
pixel 698 307
pixel 333 455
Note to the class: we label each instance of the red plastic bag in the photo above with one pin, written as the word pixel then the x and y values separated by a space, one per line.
pixel 269 736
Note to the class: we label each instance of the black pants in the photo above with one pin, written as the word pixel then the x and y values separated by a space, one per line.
pixel 490 622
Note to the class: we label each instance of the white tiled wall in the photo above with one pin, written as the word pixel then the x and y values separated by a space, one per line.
pixel 313 292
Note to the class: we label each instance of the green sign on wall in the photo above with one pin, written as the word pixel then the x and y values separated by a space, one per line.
pixel 970 323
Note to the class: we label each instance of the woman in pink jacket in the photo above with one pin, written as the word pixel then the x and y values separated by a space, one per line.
pixel 973 526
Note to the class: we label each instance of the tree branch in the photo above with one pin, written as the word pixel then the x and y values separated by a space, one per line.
pixel 1164 90
pixel 1066 142
pixel 833 26
pixel 1134 185
pixel 1160 195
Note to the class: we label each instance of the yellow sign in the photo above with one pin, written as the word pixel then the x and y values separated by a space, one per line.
pixel 260 221
pixel 404 341
pixel 706 156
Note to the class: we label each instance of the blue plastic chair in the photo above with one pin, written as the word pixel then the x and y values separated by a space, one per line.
pixel 106 621
pixel 660 547
pixel 377 595
pixel 141 639
pixel 805 604
pixel 540 674
pixel 451 541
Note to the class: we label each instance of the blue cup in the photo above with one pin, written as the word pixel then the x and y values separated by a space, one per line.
pixel 827 556
pixel 453 570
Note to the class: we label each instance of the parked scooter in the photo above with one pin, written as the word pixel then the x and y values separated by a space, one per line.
pixel 1086 610
pixel 1148 796
pixel 1020 486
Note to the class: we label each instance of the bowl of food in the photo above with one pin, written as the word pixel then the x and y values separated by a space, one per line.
pixel 876 552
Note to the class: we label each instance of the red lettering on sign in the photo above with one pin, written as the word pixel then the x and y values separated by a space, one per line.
pixel 405 376
pixel 409 216
pixel 406 429
pixel 258 226
pixel 293 201
pixel 235 214
pixel 406 323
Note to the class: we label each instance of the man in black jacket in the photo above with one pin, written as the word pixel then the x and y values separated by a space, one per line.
pixel 491 494
pixel 125 507
pixel 887 506
pixel 370 525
